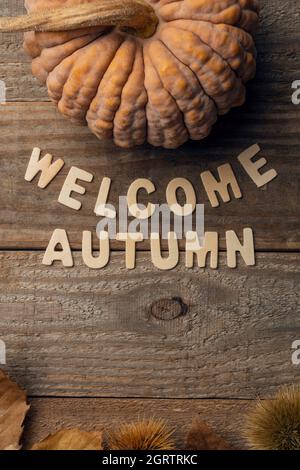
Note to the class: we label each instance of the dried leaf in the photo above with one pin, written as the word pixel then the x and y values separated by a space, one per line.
pixel 71 439
pixel 13 409
pixel 202 437
pixel 13 447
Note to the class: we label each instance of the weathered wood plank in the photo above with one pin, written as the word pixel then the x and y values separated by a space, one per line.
pixel 47 415
pixel 20 83
pixel 80 332
pixel 29 215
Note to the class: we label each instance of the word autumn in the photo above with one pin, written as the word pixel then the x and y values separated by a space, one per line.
pixel 196 248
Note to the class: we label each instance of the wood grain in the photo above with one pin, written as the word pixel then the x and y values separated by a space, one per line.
pixel 47 415
pixel 185 334
pixel 77 332
pixel 29 215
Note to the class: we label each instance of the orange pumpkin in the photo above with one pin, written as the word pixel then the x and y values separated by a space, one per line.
pixel 134 71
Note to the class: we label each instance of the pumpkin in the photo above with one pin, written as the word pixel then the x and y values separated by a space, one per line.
pixel 160 71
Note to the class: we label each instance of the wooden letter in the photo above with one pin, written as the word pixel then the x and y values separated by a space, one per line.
pixel 210 245
pixel 87 250
pixel 245 159
pixel 100 207
pixel 140 183
pixel 71 185
pixel 233 245
pixel 190 196
pixel 2 352
pixel 158 260
pixel 59 237
pixel 212 186
pixel 48 169
pixel 130 240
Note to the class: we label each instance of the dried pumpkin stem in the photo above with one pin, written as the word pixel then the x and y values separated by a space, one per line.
pixel 136 15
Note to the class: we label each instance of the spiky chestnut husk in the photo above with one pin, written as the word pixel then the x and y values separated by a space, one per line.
pixel 147 434
pixel 275 424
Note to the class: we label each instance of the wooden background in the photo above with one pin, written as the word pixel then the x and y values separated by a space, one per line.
pixel 85 344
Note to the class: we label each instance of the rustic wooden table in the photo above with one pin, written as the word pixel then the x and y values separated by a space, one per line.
pixel 85 343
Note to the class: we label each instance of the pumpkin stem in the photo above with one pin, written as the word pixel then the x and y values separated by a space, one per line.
pixel 136 15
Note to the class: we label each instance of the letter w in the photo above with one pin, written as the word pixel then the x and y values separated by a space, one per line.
pixel 44 165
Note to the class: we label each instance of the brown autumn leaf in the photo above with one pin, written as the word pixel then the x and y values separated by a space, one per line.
pixel 13 447
pixel 71 439
pixel 202 437
pixel 13 409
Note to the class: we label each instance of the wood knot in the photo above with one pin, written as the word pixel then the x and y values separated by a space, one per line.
pixel 168 309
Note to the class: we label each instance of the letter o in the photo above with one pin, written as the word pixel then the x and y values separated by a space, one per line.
pixel 190 196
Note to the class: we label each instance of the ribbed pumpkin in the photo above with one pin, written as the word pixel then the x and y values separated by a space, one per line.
pixel 159 71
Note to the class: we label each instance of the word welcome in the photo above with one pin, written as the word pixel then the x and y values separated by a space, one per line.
pixel 218 189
